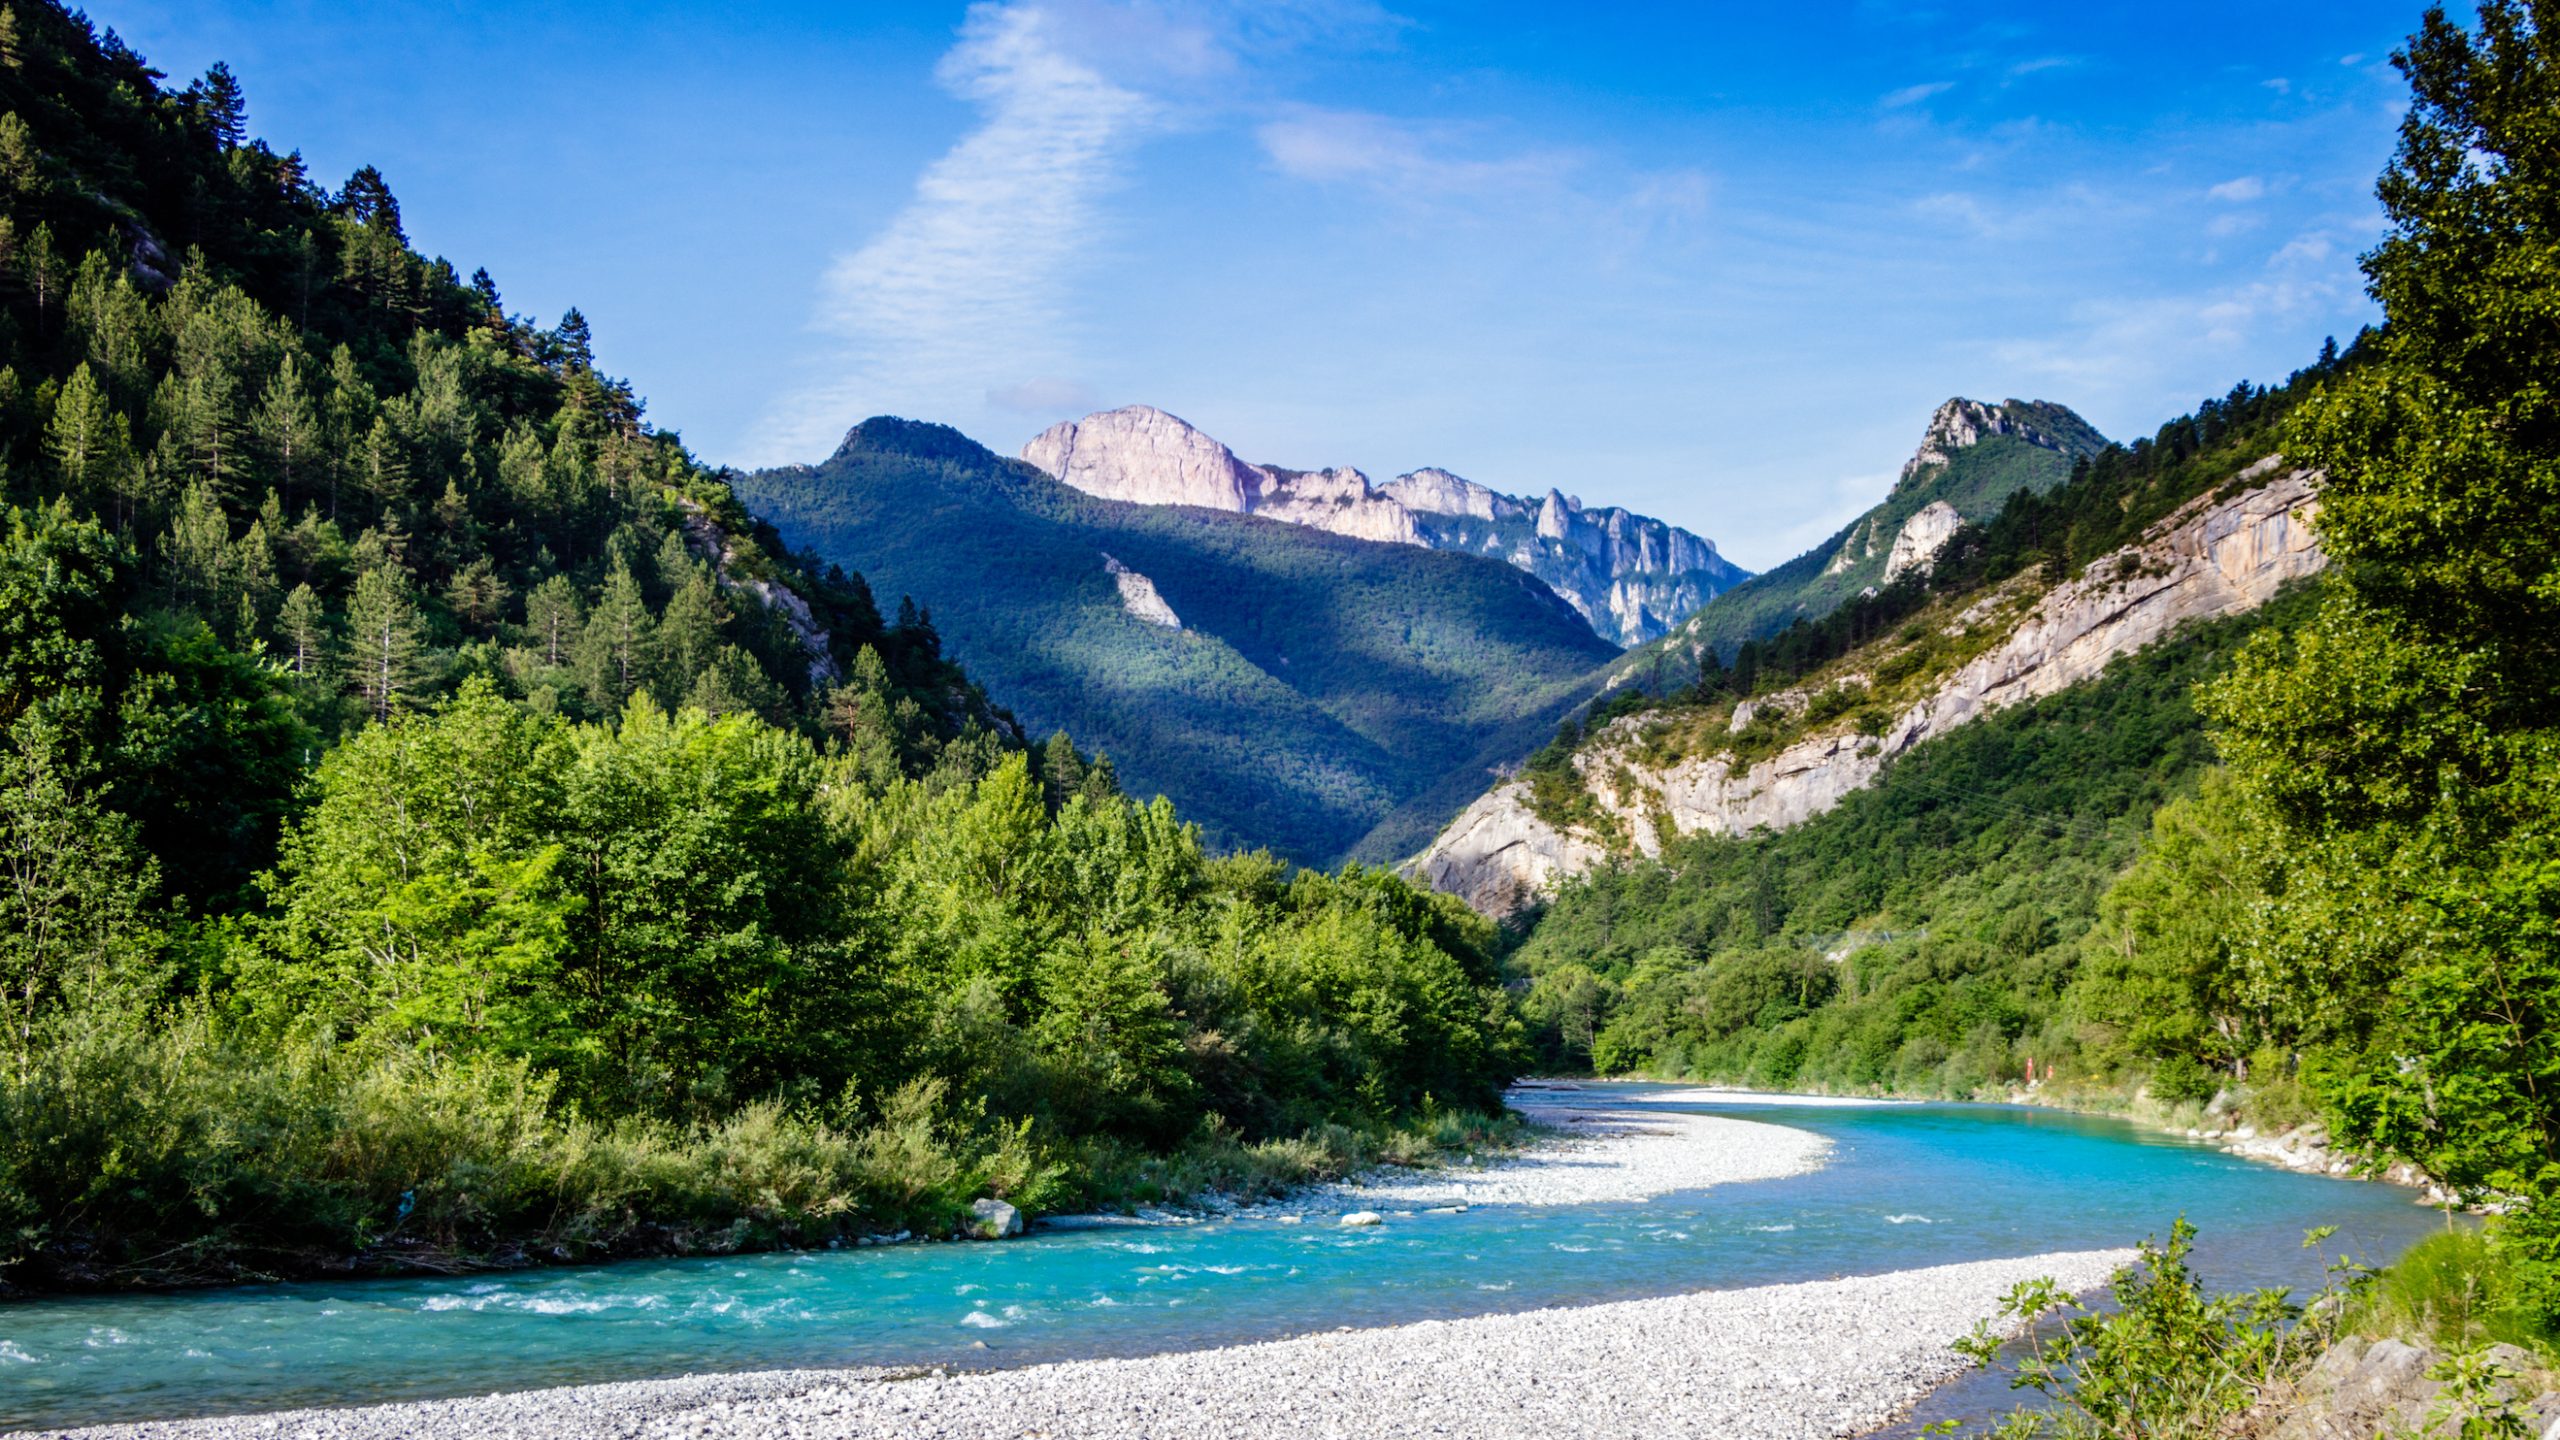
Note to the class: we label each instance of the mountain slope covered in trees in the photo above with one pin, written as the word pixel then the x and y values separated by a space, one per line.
pixel 439 827
pixel 1314 682
pixel 1972 458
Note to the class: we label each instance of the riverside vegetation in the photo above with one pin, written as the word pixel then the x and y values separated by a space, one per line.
pixel 439 827
pixel 2339 813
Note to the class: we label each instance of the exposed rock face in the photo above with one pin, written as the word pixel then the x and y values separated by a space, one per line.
pixel 1923 536
pixel 1960 423
pixel 1629 576
pixel 1142 454
pixel 2363 1389
pixel 704 537
pixel 1138 596
pixel 2207 560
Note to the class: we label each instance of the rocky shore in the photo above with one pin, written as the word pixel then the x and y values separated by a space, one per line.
pixel 1774 1363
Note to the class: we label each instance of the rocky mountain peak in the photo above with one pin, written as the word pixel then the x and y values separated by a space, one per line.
pixel 1630 577
pixel 1960 423
pixel 1143 454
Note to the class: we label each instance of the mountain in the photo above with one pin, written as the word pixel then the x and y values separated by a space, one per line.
pixel 1287 686
pixel 1971 458
pixel 2196 523
pixel 1781 758
pixel 1631 577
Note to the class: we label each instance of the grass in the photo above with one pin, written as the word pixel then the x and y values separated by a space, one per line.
pixel 2454 1291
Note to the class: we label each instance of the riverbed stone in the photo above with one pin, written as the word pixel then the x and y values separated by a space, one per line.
pixel 994 1220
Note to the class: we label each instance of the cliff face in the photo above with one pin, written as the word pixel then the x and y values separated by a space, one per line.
pixel 1630 577
pixel 1972 456
pixel 2211 558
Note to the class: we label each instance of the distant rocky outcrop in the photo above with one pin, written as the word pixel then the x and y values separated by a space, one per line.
pixel 1138 596
pixel 1629 576
pixel 1961 424
pixel 1972 456
pixel 2213 557
pixel 1922 537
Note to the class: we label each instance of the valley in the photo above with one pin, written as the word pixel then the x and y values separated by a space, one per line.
pixel 513 924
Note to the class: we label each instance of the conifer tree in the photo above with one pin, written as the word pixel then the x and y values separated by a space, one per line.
pixel 286 425
pixel 552 614
pixel 618 644
pixel 225 109
pixel 386 641
pixel 302 633
pixel 90 445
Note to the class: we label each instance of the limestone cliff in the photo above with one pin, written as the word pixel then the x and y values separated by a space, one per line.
pixel 1971 457
pixel 1629 576
pixel 1922 537
pixel 2213 557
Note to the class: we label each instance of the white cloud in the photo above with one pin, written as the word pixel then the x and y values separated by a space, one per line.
pixel 2240 191
pixel 1914 94
pixel 962 291
pixel 1045 395
pixel 1399 157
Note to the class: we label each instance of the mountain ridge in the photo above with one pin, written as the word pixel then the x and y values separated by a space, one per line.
pixel 1630 576
pixel 1310 682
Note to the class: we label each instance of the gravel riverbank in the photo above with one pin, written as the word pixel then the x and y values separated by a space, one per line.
pixel 1603 1150
pixel 1816 1360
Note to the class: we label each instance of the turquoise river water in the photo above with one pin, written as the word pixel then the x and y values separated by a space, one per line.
pixel 1905 1186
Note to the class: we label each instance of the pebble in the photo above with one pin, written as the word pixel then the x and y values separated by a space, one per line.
pixel 1782 1362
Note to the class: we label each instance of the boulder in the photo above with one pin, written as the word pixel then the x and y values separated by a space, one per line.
pixel 1364 1217
pixel 993 1220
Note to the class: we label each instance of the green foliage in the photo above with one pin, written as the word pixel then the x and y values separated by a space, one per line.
pixel 692 951
pixel 2459 1290
pixel 1317 684
pixel 2402 749
pixel 438 826
pixel 2169 1359
pixel 1925 934
pixel 319 444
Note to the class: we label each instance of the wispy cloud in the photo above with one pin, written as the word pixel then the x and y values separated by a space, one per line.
pixel 2240 191
pixel 1395 156
pixel 1910 95
pixel 962 292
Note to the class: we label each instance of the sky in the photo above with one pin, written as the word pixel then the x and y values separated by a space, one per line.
pixel 1713 262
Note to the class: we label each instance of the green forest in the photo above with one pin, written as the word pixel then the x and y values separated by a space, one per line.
pixel 2303 860
pixel 1318 686
pixel 439 827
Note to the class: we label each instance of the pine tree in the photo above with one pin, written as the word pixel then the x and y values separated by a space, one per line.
pixel 195 548
pixel 1062 771
pixel 576 341
pixel 367 200
pixel 476 594
pixel 90 445
pixel 689 630
pixel 42 270
pixel 286 425
pixel 302 628
pixel 21 166
pixel 552 614
pixel 616 648
pixel 217 97
pixel 386 640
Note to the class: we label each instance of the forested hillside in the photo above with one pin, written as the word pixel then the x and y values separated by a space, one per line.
pixel 2342 897
pixel 439 827
pixel 1312 684
pixel 1975 478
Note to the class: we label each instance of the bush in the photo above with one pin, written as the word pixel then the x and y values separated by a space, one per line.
pixel 2457 1290
pixel 2180 1080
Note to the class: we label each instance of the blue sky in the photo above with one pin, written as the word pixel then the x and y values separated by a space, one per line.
pixel 1714 262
